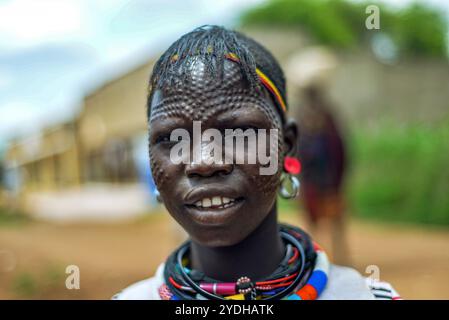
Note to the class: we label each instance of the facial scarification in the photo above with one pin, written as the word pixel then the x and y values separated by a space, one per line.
pixel 202 96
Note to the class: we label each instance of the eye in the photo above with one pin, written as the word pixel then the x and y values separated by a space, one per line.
pixel 162 138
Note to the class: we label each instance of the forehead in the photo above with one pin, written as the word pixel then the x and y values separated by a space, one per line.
pixel 201 94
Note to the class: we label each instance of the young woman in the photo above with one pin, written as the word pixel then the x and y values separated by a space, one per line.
pixel 237 249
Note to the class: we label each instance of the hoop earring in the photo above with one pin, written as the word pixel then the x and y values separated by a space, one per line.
pixel 294 186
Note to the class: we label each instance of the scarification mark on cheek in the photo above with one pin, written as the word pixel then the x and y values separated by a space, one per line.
pixel 158 172
pixel 268 185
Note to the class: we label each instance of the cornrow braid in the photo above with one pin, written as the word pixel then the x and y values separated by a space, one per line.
pixel 212 44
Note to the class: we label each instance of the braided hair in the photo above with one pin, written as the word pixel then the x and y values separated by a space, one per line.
pixel 212 43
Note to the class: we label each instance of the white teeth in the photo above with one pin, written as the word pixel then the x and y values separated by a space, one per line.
pixel 216 201
pixel 220 202
pixel 206 202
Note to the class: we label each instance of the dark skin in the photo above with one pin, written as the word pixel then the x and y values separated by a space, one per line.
pixel 243 239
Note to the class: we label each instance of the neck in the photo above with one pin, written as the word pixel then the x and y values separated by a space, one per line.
pixel 256 257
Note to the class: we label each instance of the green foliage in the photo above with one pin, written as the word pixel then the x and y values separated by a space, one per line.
pixel 32 285
pixel 401 173
pixel 416 29
pixel 421 31
pixel 25 285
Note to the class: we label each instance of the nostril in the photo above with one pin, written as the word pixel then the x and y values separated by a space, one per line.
pixel 207 170
pixel 226 169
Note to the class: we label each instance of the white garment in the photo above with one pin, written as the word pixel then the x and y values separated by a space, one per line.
pixel 343 284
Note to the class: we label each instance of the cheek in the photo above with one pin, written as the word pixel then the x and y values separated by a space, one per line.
pixel 160 167
pixel 268 185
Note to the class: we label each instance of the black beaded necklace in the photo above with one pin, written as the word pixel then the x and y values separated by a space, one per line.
pixel 183 283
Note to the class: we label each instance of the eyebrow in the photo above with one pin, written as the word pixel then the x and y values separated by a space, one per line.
pixel 169 124
pixel 230 118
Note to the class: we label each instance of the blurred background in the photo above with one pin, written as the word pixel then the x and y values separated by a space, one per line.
pixel 76 188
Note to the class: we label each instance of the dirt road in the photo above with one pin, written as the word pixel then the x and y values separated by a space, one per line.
pixel 34 256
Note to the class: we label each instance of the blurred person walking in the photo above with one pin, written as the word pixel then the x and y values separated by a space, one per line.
pixel 321 151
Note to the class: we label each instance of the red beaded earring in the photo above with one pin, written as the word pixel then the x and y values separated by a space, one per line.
pixel 292 165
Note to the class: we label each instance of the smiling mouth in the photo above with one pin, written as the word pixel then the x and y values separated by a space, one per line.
pixel 215 203
pixel 215 211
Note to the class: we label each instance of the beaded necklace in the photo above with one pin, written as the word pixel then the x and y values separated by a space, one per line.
pixel 301 275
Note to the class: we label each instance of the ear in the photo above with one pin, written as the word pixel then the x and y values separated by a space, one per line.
pixel 291 138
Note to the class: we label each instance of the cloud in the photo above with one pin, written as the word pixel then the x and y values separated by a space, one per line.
pixel 50 50
pixel 28 22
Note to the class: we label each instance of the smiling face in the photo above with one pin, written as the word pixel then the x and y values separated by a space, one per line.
pixel 217 204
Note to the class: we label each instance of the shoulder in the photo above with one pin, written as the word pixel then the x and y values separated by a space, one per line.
pixel 143 290
pixel 346 283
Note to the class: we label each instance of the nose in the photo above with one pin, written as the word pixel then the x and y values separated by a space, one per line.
pixel 202 169
pixel 203 164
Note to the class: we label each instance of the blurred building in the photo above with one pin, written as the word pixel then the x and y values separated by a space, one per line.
pixel 94 167
pixel 95 147
pixel 44 161
pixel 111 123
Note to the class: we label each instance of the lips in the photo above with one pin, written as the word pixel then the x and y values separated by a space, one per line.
pixel 212 204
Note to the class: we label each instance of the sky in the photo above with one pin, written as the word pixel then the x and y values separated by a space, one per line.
pixel 52 52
